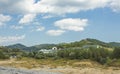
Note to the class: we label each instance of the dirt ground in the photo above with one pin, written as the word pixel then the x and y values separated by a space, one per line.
pixel 69 69
pixel 87 71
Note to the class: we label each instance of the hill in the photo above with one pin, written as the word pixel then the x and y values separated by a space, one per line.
pixel 84 42
pixel 17 46
pixel 114 44
pixel 81 43
pixel 31 48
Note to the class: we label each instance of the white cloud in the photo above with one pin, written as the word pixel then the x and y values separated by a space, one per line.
pixel 40 29
pixel 55 6
pixel 55 32
pixel 28 18
pixel 11 38
pixel 52 6
pixel 69 6
pixel 16 27
pixel 115 5
pixel 37 27
pixel 16 6
pixel 4 19
pixel 72 24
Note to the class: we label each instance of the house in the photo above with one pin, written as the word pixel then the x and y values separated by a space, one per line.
pixel 54 49
pixel 45 51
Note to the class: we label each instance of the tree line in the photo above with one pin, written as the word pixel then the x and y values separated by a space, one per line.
pixel 101 55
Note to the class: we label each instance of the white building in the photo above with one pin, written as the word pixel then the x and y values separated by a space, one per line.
pixel 54 49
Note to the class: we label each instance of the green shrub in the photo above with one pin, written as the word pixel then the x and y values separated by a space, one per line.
pixel 116 53
pixel 3 55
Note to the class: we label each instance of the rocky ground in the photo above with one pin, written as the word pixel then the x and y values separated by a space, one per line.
pixel 59 70
pixel 8 70
pixel 35 67
pixel 87 71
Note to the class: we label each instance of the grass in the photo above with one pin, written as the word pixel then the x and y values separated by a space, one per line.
pixel 48 62
pixel 65 66
pixel 29 63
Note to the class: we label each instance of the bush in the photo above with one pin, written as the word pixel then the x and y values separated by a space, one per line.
pixel 116 53
pixel 3 55
pixel 40 55
pixel 97 54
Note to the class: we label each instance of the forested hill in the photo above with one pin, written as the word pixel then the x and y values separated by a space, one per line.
pixel 89 41
pixel 19 46
pixel 84 42
pixel 31 48
pixel 114 44
pixel 81 43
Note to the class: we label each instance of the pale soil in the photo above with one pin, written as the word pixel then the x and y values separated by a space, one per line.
pixel 77 69
pixel 10 61
pixel 80 70
pixel 87 71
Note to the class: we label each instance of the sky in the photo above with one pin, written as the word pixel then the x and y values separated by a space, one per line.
pixel 33 22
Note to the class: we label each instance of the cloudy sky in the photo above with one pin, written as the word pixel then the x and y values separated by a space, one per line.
pixel 32 22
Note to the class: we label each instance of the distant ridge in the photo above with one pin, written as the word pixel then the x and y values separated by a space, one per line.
pixel 35 47
pixel 17 46
pixel 87 41
pixel 114 44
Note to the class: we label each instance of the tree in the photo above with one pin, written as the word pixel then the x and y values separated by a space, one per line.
pixel 3 56
pixel 40 55
pixel 116 53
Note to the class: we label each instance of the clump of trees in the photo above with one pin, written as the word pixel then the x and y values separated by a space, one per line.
pixel 6 53
pixel 3 55
pixel 116 53
pixel 101 55
pixel 36 55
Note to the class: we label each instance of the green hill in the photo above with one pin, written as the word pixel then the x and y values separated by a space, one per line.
pixel 84 42
pixel 114 44
pixel 17 46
